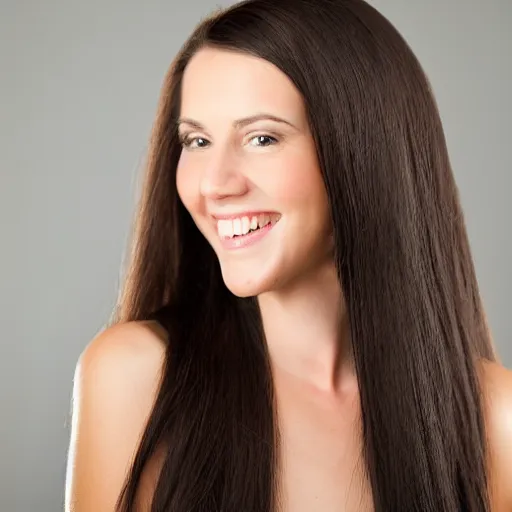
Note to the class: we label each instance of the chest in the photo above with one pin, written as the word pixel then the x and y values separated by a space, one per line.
pixel 322 467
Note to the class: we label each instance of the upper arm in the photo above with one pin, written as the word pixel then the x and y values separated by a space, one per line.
pixel 116 381
pixel 498 399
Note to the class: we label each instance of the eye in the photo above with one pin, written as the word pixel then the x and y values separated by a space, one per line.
pixel 264 140
pixel 187 142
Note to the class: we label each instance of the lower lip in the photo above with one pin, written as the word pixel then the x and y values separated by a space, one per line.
pixel 239 242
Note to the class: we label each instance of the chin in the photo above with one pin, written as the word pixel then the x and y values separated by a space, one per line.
pixel 243 286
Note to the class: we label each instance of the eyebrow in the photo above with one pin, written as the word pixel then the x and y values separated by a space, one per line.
pixel 239 123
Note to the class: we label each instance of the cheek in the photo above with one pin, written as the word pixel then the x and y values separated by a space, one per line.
pixel 300 191
pixel 299 184
pixel 187 185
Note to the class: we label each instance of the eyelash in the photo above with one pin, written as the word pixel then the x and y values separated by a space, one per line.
pixel 186 141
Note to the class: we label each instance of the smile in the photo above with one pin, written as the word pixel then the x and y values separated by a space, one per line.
pixel 237 232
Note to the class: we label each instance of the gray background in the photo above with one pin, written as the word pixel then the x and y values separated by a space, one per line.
pixel 79 86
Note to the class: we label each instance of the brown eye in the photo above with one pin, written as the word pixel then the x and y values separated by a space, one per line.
pixel 264 140
pixel 188 141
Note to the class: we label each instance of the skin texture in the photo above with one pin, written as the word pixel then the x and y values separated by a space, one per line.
pixel 262 166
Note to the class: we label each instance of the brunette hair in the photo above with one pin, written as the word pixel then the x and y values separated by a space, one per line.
pixel 403 261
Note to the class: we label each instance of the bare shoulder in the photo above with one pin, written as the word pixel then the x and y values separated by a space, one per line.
pixel 115 385
pixel 497 389
pixel 133 349
pixel 496 381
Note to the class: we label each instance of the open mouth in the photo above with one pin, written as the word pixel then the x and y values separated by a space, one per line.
pixel 244 231
pixel 245 226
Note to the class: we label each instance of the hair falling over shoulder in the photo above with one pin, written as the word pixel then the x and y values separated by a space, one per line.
pixel 403 262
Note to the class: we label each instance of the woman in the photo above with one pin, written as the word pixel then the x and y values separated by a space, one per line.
pixel 301 327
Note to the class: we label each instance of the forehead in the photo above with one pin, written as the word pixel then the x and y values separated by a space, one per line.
pixel 236 84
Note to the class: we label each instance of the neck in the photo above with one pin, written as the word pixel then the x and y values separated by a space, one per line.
pixel 307 331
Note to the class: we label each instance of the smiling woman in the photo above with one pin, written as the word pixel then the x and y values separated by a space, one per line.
pixel 300 328
pixel 235 177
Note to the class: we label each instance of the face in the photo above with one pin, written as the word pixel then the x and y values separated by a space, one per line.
pixel 248 172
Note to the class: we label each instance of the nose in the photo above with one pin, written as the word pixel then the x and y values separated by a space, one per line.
pixel 221 178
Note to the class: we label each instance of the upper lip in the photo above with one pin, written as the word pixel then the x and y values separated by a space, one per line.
pixel 253 213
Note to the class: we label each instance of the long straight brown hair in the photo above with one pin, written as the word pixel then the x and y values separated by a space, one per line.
pixel 403 261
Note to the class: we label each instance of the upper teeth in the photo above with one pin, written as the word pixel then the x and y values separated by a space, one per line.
pixel 227 228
